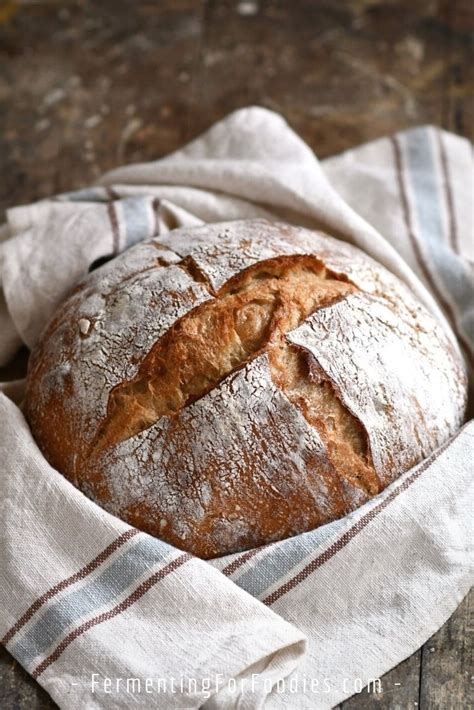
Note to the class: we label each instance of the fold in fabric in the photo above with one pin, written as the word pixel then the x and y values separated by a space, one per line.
pixel 83 593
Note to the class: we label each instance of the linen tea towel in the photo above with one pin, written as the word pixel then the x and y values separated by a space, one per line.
pixel 362 602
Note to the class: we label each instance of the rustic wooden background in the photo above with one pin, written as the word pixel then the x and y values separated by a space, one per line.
pixel 89 84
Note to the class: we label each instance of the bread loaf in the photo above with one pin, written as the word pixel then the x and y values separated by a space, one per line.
pixel 229 385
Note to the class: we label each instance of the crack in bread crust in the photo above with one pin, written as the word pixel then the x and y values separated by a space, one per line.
pixel 299 376
pixel 251 313
pixel 193 269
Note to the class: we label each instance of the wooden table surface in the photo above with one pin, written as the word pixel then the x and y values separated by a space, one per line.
pixel 86 85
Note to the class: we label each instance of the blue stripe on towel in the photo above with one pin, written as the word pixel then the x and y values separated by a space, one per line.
pixel 453 273
pixel 81 602
pixel 136 211
pixel 86 194
pixel 285 556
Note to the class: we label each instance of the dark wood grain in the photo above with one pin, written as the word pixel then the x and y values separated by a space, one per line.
pixel 342 73
pixel 18 690
pixel 447 663
pixel 437 677
pixel 85 86
pixel 400 688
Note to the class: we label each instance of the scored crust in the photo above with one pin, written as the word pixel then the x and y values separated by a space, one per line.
pixel 233 384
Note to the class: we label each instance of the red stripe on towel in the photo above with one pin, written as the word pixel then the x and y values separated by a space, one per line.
pixel 115 226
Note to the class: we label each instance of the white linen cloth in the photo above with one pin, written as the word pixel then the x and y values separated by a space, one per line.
pixel 105 616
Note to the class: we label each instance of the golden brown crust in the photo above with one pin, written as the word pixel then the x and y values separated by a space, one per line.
pixel 248 314
pixel 240 383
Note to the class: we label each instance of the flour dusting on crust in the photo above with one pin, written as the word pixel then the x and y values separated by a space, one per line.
pixel 252 459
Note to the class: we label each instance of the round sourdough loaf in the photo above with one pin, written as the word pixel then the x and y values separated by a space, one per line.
pixel 229 385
